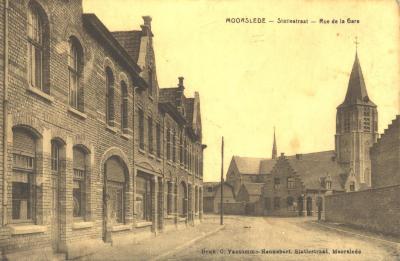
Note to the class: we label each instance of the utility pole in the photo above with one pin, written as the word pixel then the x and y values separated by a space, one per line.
pixel 222 181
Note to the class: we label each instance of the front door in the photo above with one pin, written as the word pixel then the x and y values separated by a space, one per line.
pixel 55 221
pixel 309 206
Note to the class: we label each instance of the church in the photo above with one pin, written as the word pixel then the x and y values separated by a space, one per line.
pixel 296 185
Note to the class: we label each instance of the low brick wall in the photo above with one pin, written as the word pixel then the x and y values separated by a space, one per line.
pixel 374 209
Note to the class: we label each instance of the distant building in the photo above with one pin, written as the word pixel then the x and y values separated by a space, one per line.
pixel 212 196
pixel 296 185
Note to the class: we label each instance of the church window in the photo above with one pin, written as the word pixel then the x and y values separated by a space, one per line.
pixel 367 124
pixel 347 123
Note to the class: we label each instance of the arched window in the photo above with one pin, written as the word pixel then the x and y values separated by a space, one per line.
pixel 150 134
pixel 116 188
pixel 109 97
pixel 35 47
pixel 182 200
pixel 23 198
pixel 55 156
pixel 75 70
pixel 79 188
pixel 124 106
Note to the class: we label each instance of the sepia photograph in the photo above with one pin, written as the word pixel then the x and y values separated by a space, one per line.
pixel 199 130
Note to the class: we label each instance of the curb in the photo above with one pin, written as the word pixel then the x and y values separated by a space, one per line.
pixel 356 234
pixel 187 244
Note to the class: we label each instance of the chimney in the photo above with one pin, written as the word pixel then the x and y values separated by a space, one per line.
pixel 180 84
pixel 282 154
pixel 147 21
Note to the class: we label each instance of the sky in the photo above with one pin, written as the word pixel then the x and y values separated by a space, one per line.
pixel 252 77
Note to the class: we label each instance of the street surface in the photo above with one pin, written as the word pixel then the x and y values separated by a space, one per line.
pixel 256 238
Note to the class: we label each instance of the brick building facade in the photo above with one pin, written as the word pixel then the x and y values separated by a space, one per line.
pixel 93 151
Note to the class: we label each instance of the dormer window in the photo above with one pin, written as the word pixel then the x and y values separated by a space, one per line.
pixel 352 186
pixel 328 184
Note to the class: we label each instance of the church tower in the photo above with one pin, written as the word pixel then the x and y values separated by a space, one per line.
pixel 356 128
pixel 274 150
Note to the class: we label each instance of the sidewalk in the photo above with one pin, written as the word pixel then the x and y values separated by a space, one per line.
pixel 164 244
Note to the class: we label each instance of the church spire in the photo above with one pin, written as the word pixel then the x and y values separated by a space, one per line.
pixel 274 150
pixel 356 89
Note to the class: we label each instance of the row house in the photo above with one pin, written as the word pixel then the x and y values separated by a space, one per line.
pixel 93 151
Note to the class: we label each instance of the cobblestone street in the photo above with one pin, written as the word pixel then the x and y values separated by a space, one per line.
pixel 242 237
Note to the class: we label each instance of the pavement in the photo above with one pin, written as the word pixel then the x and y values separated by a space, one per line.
pixel 160 246
pixel 260 238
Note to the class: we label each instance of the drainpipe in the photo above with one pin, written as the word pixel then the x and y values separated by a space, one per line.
pixel 133 154
pixel 5 112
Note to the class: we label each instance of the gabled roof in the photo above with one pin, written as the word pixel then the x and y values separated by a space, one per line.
pixel 253 189
pixel 312 167
pixel 267 165
pixel 215 186
pixel 248 165
pixel 105 37
pixel 356 90
pixel 171 95
pixel 130 40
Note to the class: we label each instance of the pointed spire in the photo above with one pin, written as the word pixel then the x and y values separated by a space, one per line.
pixel 356 90
pixel 274 150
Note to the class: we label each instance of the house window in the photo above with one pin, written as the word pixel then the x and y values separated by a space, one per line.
pixel 158 139
pixel 185 156
pixel 109 97
pixel 291 183
pixel 277 183
pixel 181 147
pixel 150 134
pixel 35 48
pixel 168 143
pixel 124 106
pixel 79 188
pixel 277 203
pixel 352 186
pixel 23 191
pixel 141 129
pixel 143 198
pixel 55 156
pixel 209 189
pixel 173 147
pixel 74 70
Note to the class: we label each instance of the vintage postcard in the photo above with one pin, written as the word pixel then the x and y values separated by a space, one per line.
pixel 199 130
